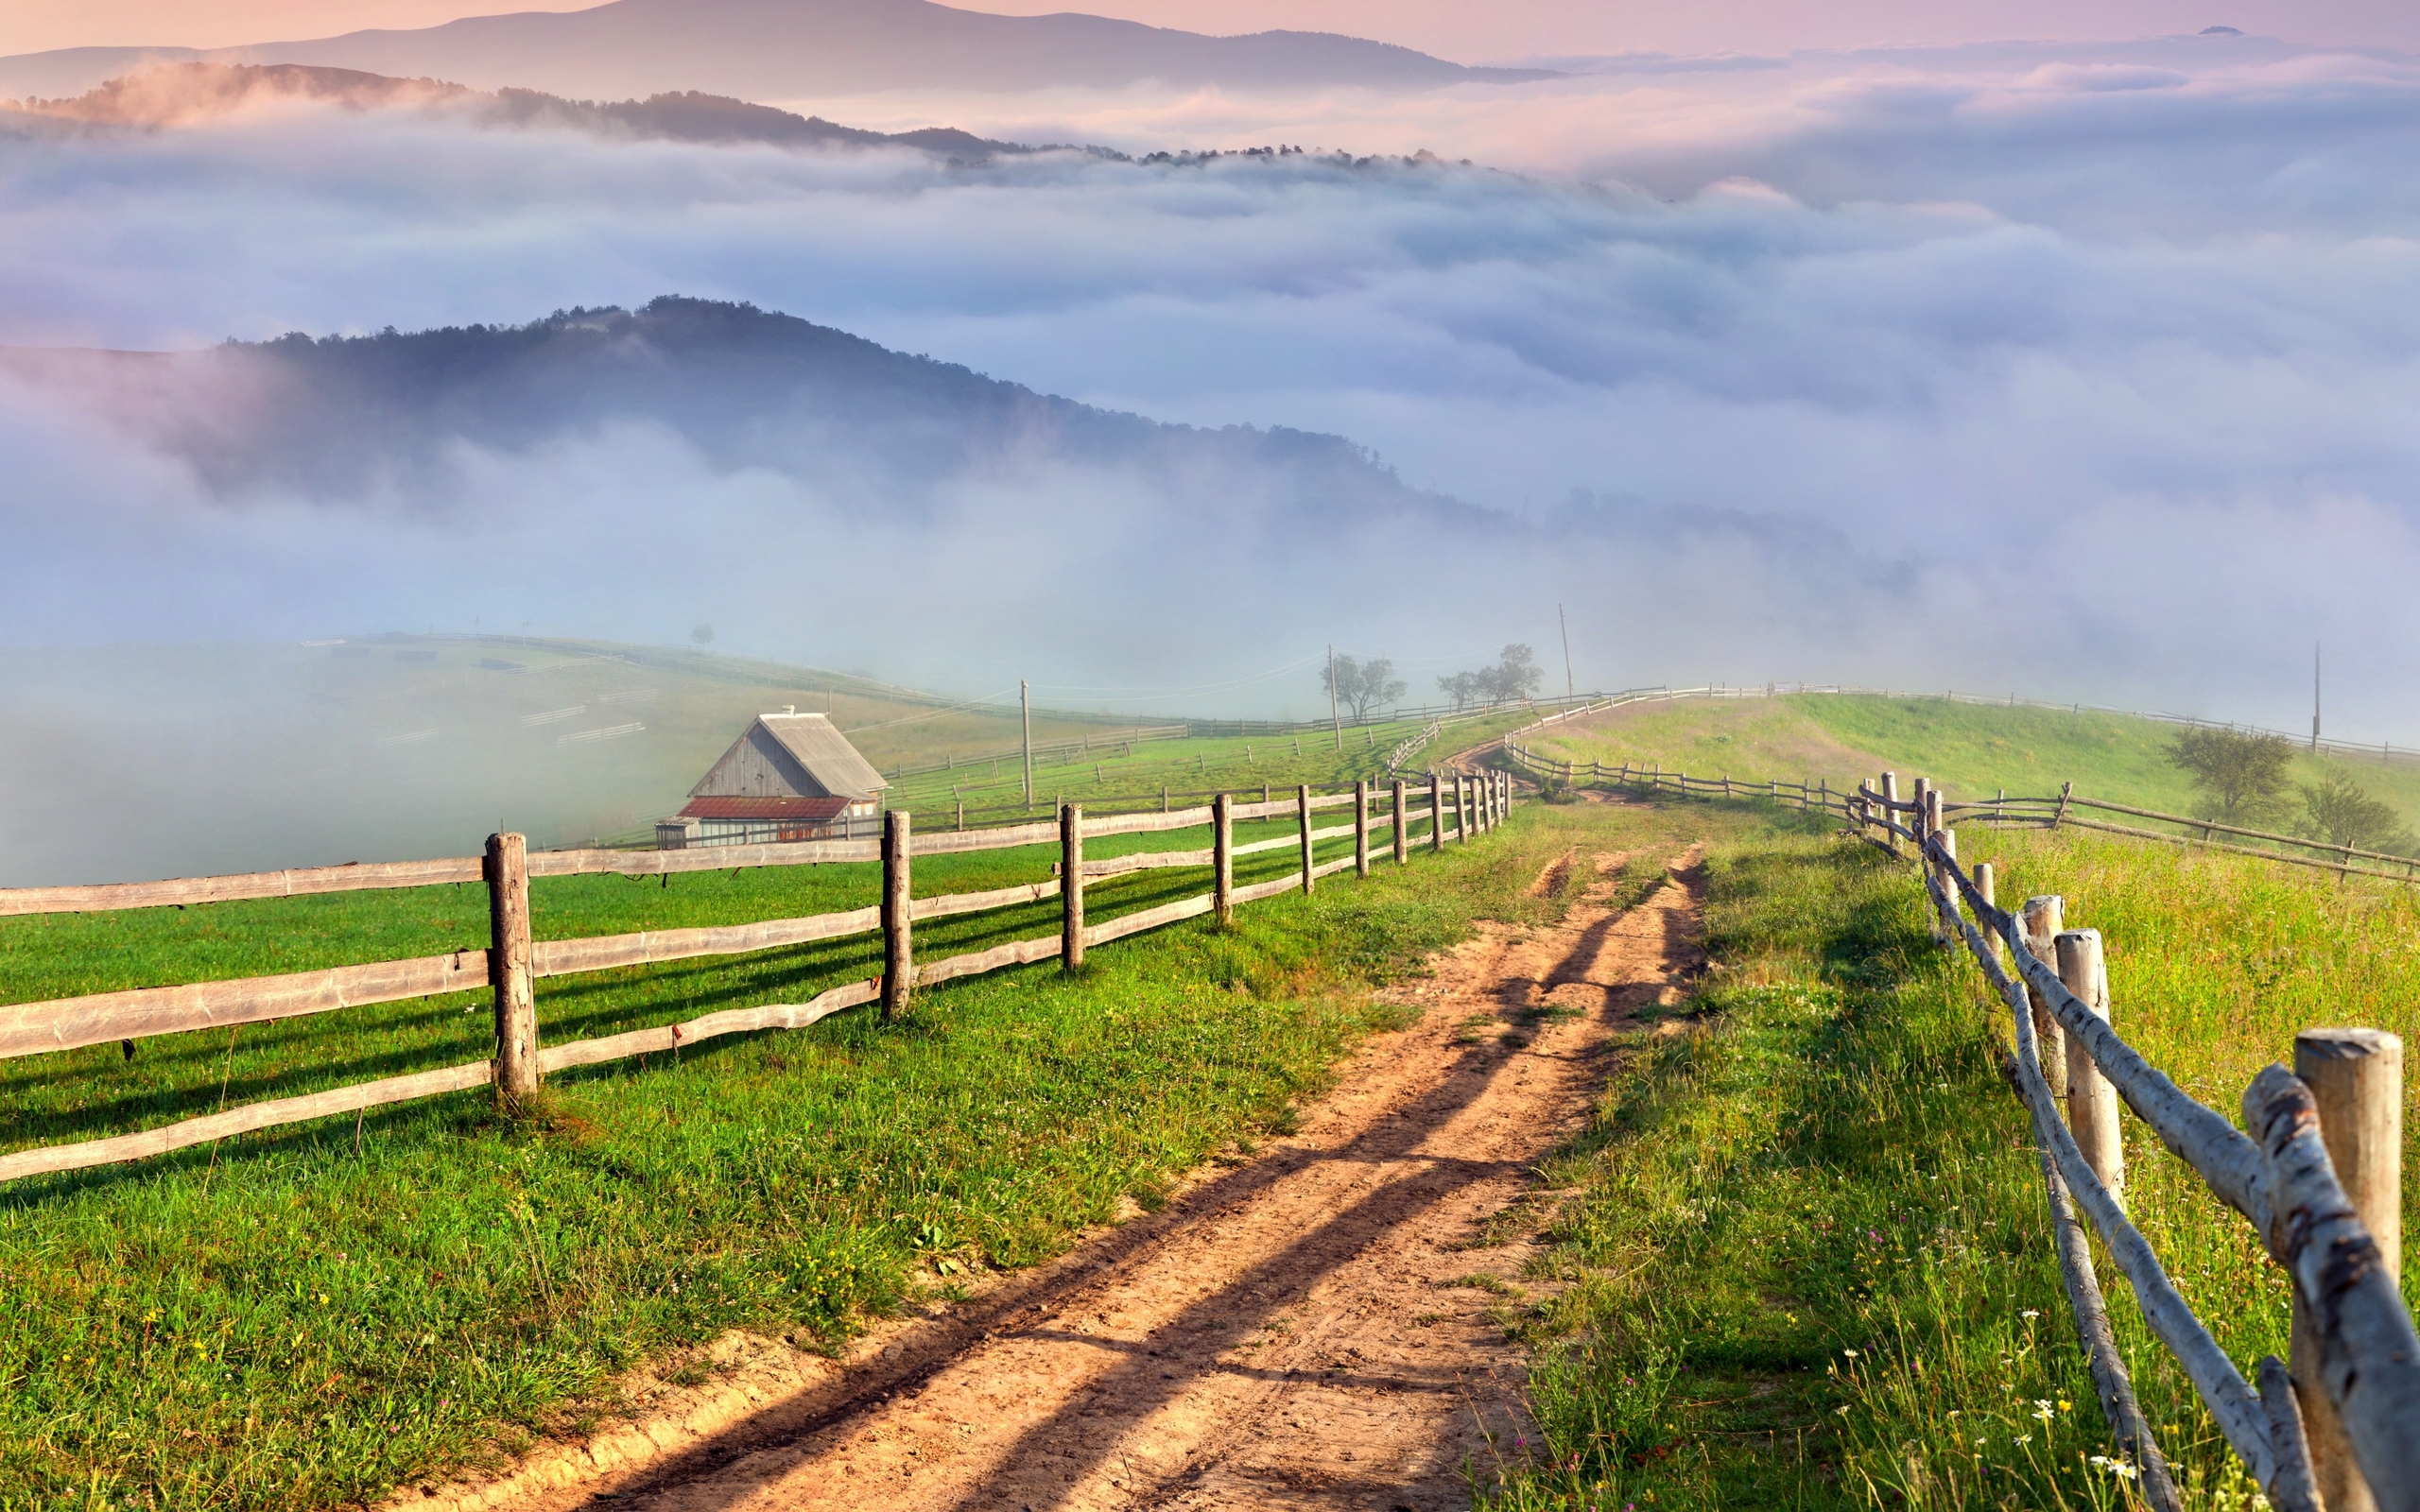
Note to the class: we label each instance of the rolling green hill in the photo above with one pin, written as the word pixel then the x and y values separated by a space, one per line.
pixel 128 762
pixel 1974 750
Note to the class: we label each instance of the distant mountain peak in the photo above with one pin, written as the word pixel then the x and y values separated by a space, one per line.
pixel 789 49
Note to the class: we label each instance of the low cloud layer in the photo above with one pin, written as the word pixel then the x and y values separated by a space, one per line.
pixel 2086 371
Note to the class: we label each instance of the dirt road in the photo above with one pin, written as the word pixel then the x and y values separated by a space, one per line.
pixel 1316 1327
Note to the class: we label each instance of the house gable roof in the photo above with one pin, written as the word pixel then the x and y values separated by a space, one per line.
pixel 795 755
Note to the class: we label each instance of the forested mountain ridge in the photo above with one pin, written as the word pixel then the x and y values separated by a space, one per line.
pixel 186 94
pixel 789 49
pixel 342 418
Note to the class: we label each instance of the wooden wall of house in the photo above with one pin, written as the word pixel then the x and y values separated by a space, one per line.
pixel 757 767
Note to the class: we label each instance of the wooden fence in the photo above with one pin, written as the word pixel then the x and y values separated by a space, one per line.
pixel 1451 808
pixel 2065 809
pixel 2318 1175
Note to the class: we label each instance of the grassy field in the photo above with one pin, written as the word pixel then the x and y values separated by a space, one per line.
pixel 1236 763
pixel 1799 1259
pixel 137 762
pixel 306 1317
pixel 1973 750
pixel 1805 1257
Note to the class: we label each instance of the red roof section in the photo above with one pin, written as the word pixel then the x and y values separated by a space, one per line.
pixel 793 810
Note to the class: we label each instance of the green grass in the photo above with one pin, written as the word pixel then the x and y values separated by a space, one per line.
pixel 1974 750
pixel 1117 768
pixel 95 1092
pixel 291 1320
pixel 1805 1245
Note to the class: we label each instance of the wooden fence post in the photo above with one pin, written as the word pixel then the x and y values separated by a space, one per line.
pixel 1071 887
pixel 1945 926
pixel 1890 814
pixel 1462 809
pixel 1303 807
pixel 1436 812
pixel 1929 797
pixel 2355 1076
pixel 898 955
pixel 1985 879
pixel 2092 1101
pixel 2042 918
pixel 1222 859
pixel 1361 828
pixel 516 1008
pixel 1403 844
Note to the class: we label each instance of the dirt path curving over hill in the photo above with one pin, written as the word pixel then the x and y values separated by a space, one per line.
pixel 1316 1327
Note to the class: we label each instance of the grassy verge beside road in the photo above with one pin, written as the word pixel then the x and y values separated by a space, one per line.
pixel 1805 1241
pixel 309 1316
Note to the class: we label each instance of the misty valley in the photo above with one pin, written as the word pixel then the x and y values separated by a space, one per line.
pixel 848 753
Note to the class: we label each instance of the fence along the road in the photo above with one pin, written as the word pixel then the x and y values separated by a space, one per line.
pixel 2320 1178
pixel 1451 807
pixel 2062 810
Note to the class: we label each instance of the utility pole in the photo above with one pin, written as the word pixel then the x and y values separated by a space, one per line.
pixel 2314 697
pixel 1569 690
pixel 1333 717
pixel 1025 699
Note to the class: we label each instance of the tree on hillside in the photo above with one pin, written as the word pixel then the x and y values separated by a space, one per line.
pixel 1515 677
pixel 2337 810
pixel 1464 687
pixel 2242 777
pixel 1362 685
pixel 703 634
pixel 1515 674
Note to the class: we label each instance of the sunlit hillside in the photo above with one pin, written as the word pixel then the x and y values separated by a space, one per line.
pixel 1972 750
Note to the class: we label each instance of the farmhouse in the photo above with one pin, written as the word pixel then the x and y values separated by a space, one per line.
pixel 789 777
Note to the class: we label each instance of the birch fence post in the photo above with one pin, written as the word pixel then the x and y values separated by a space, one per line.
pixel 516 1008
pixel 1222 860
pixel 898 958
pixel 1361 828
pixel 1071 886
pixel 1403 844
pixel 1436 812
pixel 1303 808
pixel 2092 1100
pixel 2355 1076
pixel 2043 918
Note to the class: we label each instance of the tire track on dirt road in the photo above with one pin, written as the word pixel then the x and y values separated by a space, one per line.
pixel 1316 1327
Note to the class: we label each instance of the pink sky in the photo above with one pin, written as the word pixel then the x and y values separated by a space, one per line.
pixel 1462 29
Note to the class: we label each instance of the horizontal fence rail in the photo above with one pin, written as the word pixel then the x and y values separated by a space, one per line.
pixel 2338 1427
pixel 1445 810
pixel 2063 810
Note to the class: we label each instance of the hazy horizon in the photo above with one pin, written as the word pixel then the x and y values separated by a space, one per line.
pixel 1505 33
pixel 2078 370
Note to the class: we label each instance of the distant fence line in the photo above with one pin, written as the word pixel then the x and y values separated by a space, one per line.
pixel 2062 809
pixel 2319 1176
pixel 1451 808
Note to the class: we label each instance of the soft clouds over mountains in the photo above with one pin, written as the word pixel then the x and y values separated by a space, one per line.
pixel 2082 369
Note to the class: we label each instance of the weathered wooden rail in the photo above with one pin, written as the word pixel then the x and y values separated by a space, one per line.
pixel 2318 1176
pixel 2063 810
pixel 1447 809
